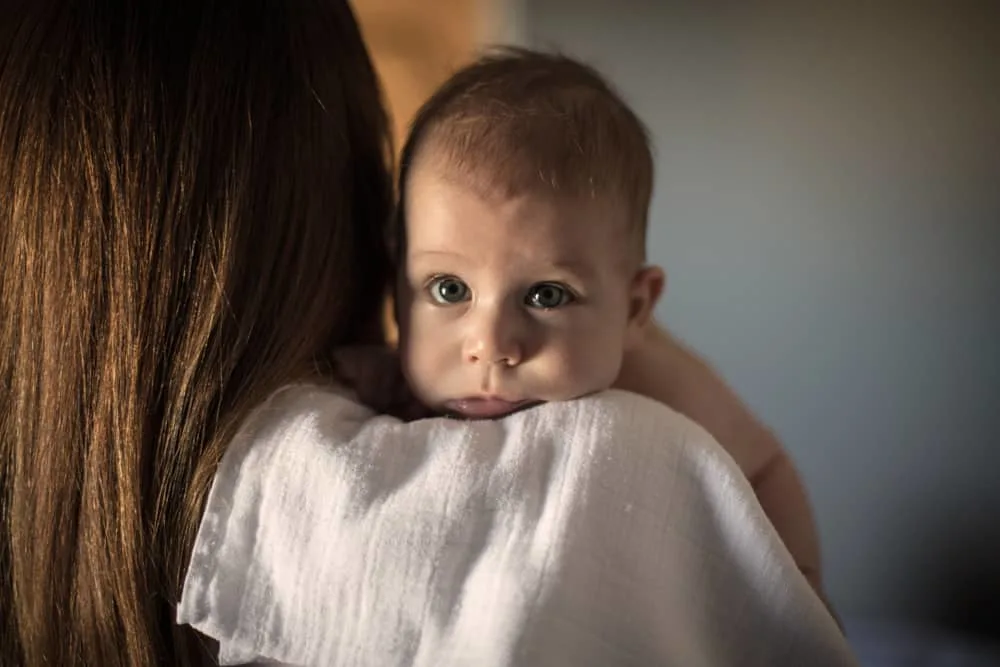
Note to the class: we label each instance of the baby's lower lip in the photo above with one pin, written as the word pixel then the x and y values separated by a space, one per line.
pixel 485 407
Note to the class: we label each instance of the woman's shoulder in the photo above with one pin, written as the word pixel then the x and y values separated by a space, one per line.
pixel 611 428
pixel 334 410
pixel 324 514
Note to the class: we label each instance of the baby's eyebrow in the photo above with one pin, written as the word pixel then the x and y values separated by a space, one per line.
pixel 436 253
pixel 573 267
pixel 417 254
pixel 576 267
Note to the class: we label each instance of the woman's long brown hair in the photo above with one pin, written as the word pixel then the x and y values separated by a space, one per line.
pixel 192 201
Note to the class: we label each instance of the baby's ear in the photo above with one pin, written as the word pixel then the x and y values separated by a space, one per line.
pixel 647 286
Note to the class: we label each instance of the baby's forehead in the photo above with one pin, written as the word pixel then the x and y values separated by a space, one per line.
pixel 533 210
pixel 511 173
pixel 447 203
pixel 520 249
pixel 495 187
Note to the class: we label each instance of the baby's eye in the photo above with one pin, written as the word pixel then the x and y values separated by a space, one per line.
pixel 548 296
pixel 448 290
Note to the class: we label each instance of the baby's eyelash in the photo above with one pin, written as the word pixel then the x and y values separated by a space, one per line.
pixel 434 277
pixel 565 296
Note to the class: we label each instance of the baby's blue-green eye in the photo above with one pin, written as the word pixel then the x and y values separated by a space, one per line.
pixel 548 296
pixel 448 290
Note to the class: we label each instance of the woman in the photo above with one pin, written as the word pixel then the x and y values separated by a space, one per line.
pixel 193 207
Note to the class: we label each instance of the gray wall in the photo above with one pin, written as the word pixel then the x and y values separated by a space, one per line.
pixel 827 210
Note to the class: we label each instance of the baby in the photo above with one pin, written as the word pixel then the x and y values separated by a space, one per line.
pixel 525 186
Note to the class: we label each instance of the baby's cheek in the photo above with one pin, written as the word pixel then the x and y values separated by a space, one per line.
pixel 431 362
pixel 586 365
pixel 415 356
pixel 415 370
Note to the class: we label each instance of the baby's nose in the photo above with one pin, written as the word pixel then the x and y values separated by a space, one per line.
pixel 495 339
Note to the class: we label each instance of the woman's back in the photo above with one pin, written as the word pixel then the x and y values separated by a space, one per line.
pixel 193 197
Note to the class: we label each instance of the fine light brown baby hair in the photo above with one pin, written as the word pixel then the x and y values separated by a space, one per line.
pixel 521 121
pixel 193 198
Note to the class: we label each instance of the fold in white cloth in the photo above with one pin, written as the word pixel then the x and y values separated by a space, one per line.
pixel 607 530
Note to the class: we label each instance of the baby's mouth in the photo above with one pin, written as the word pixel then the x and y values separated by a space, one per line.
pixel 486 407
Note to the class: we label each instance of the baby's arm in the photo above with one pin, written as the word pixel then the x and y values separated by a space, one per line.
pixel 667 371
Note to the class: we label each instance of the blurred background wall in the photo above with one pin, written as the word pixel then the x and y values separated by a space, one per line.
pixel 827 208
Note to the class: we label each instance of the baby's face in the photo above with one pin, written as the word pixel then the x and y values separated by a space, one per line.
pixel 505 303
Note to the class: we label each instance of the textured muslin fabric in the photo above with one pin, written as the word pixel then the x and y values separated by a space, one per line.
pixel 607 530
